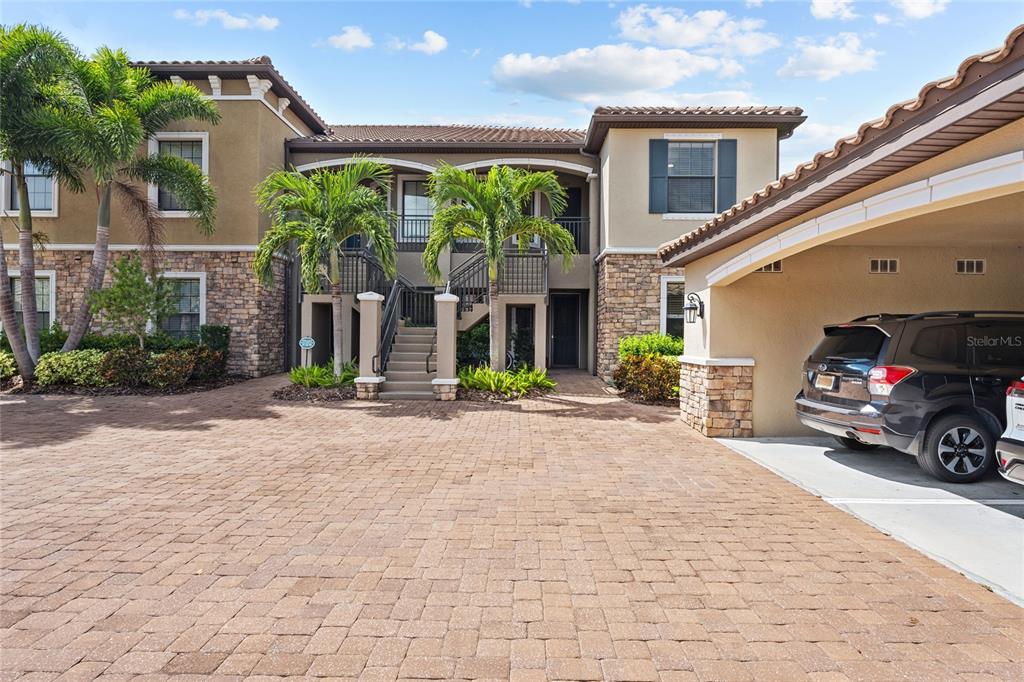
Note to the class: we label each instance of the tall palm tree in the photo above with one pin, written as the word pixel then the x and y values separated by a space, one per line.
pixel 493 210
pixel 35 69
pixel 320 212
pixel 119 107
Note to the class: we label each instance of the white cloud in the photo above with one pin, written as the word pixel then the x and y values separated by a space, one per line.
pixel 754 3
pixel 919 9
pixel 838 55
pixel 599 74
pixel 882 19
pixel 201 17
pixel 351 38
pixel 432 43
pixel 711 31
pixel 833 9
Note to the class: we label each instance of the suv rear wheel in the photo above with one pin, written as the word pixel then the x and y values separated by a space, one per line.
pixel 854 444
pixel 957 448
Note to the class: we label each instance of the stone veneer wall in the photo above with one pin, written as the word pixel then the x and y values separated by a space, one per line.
pixel 234 298
pixel 628 302
pixel 717 400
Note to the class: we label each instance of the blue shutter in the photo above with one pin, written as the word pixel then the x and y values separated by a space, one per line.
pixel 726 175
pixel 658 173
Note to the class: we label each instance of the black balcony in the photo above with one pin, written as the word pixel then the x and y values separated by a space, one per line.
pixel 579 228
pixel 412 231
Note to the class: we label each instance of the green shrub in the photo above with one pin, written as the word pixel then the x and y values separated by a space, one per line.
pixel 650 344
pixel 106 342
pixel 51 339
pixel 171 369
pixel 516 383
pixel 209 364
pixel 162 342
pixel 322 376
pixel 8 368
pixel 217 337
pixel 77 367
pixel 652 378
pixel 126 366
pixel 473 346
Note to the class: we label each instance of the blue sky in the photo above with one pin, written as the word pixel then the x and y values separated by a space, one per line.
pixel 550 63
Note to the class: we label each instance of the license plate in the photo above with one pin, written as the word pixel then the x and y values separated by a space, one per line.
pixel 825 382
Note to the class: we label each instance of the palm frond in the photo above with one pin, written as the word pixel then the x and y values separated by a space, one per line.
pixel 557 239
pixel 149 225
pixel 163 102
pixel 184 179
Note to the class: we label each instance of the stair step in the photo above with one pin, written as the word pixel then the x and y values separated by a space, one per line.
pixel 400 375
pixel 404 356
pixel 409 365
pixel 416 331
pixel 408 395
pixel 412 346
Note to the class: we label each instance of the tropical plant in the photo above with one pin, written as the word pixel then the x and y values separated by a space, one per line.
pixel 77 368
pixel 35 65
pixel 511 384
pixel 649 378
pixel 320 212
pixel 126 366
pixel 114 109
pixel 171 369
pixel 650 344
pixel 134 300
pixel 8 368
pixel 323 376
pixel 472 346
pixel 493 210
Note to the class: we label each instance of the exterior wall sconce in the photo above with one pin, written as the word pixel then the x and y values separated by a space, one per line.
pixel 694 308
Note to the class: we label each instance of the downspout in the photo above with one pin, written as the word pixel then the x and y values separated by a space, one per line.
pixel 592 302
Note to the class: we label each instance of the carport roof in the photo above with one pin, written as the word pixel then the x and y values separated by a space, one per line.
pixel 768 207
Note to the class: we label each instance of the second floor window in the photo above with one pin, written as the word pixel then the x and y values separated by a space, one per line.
pixel 190 150
pixel 691 177
pixel 40 190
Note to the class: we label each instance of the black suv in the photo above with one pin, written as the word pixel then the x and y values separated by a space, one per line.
pixel 932 385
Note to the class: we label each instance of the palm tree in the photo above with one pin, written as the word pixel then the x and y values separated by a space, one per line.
pixel 35 68
pixel 118 108
pixel 320 212
pixel 494 211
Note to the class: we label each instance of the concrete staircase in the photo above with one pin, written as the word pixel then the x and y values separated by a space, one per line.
pixel 406 377
pixel 470 317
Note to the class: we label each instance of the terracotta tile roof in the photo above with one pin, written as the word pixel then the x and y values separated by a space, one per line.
pixel 901 115
pixel 239 68
pixel 783 119
pixel 447 134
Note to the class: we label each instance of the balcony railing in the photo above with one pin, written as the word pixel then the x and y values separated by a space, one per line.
pixel 524 273
pixel 579 228
pixel 412 231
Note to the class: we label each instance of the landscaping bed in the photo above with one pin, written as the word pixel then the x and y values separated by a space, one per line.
pixel 314 394
pixel 482 384
pixel 17 386
pixel 648 371
pixel 319 384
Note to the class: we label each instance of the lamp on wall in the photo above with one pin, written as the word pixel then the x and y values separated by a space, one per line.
pixel 694 308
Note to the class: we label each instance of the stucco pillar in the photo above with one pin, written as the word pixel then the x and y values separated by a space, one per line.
pixel 594 212
pixel 540 336
pixel 347 301
pixel 446 383
pixel 368 382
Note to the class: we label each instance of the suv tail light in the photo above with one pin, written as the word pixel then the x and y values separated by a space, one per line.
pixel 1016 389
pixel 881 379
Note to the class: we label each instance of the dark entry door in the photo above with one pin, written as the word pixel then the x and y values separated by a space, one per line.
pixel 565 330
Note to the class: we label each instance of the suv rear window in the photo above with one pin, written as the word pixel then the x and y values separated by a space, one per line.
pixel 996 344
pixel 849 343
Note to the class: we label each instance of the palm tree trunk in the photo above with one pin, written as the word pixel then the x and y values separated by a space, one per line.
pixel 497 362
pixel 9 319
pixel 96 270
pixel 27 265
pixel 336 330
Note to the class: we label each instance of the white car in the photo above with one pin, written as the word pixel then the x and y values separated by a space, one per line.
pixel 1010 448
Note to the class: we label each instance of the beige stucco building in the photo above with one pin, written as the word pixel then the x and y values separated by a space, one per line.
pixel 921 210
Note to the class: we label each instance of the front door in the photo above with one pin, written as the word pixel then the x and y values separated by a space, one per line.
pixel 565 330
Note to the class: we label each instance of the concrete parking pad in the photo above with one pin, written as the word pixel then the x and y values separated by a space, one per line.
pixel 224 535
pixel 977 529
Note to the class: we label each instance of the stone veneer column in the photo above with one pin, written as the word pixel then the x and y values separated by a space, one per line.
pixel 716 395
pixel 446 383
pixel 628 302
pixel 368 382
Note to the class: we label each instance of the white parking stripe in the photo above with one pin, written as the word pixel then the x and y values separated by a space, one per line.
pixel 921 500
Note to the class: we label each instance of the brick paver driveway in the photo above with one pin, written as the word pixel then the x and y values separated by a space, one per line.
pixel 577 537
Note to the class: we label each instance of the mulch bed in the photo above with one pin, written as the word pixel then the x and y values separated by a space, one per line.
pixel 294 392
pixel 635 398
pixel 16 386
pixel 475 395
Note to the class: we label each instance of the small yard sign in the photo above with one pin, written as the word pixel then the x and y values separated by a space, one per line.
pixel 306 343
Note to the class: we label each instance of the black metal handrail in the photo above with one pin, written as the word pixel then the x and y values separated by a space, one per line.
pixel 412 231
pixel 469 283
pixel 360 271
pixel 524 272
pixel 579 228
pixel 417 307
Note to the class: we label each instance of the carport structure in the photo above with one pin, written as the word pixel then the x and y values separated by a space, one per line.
pixel 920 210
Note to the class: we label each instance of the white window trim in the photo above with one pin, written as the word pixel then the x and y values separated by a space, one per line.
pixel 5 197
pixel 703 217
pixel 401 179
pixel 682 137
pixel 201 276
pixel 663 315
pixel 984 266
pixel 695 137
pixel 40 274
pixel 881 258
pixel 154 148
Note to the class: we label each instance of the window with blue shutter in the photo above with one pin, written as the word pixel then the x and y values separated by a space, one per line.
pixel 692 176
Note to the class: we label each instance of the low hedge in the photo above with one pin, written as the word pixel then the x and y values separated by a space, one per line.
pixel 128 367
pixel 8 368
pixel 650 344
pixel 172 369
pixel 125 367
pixel 74 368
pixel 650 378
